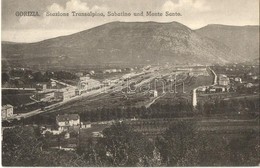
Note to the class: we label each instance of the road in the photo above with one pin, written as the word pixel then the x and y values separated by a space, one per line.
pixel 62 83
pixel 242 97
pixel 29 89
pixel 195 90
pixel 215 77
pixel 153 101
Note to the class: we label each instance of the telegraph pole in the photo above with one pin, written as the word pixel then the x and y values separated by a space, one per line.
pixel 183 88
pixel 194 98
pixel 175 88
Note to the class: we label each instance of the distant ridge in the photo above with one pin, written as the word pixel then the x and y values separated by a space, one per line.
pixel 124 42
pixel 242 40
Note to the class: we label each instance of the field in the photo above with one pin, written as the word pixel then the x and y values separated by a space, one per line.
pixel 85 134
pixel 16 98
pixel 218 125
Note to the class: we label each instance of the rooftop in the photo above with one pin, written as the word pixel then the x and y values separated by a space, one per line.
pixel 7 106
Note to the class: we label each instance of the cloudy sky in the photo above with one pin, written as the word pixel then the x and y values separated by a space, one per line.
pixel 195 14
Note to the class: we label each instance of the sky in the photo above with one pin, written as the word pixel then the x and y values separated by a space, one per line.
pixel 194 14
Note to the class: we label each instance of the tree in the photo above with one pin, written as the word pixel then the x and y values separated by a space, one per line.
pixel 244 151
pixel 38 77
pixel 176 145
pixel 5 78
pixel 121 146
pixel 20 147
pixel 54 158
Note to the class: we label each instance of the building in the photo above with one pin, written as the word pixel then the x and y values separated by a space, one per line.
pixel 88 85
pixel 41 87
pixel 46 96
pixel 113 70
pixel 77 92
pixel 97 134
pixel 64 94
pixel 82 85
pixel 201 89
pixel 67 121
pixel 84 78
pixel 221 89
pixel 50 129
pixel 237 79
pixel 53 84
pixel 254 77
pixel 7 111
pixel 79 74
pixel 212 90
pixel 107 82
pixel 249 85
pixel 92 84
pixel 223 80
pixel 155 93
pixel 183 69
pixel 92 72
pixel 85 125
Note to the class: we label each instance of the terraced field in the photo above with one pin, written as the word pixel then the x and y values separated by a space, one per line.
pixel 231 126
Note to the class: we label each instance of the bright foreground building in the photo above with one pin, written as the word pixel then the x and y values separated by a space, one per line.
pixel 67 121
pixel 7 111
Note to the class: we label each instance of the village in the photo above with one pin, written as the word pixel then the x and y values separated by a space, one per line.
pixel 55 92
pixel 69 130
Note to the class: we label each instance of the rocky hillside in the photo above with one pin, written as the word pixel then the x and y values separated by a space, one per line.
pixel 123 42
pixel 242 40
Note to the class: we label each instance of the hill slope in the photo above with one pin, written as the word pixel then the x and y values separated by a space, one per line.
pixel 242 40
pixel 122 42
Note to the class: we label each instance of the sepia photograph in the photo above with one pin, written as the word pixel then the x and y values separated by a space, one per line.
pixel 130 83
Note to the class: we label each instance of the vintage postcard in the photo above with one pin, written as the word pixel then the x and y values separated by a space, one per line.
pixel 130 83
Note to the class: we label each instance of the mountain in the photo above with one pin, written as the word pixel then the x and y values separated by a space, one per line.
pixel 242 40
pixel 122 42
pixel 8 42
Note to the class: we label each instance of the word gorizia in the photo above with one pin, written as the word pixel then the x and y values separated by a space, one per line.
pixel 27 13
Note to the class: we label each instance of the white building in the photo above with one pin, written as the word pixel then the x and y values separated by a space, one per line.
pixel 79 74
pixel 97 134
pixel 91 84
pixel 113 70
pixel 201 89
pixel 155 93
pixel 212 89
pixel 64 94
pixel 84 78
pixel 223 80
pixel 106 82
pixel 67 120
pixel 237 79
pixel 41 86
pixel 249 85
pixel 91 72
pixel 85 125
pixel 53 84
pixel 7 111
